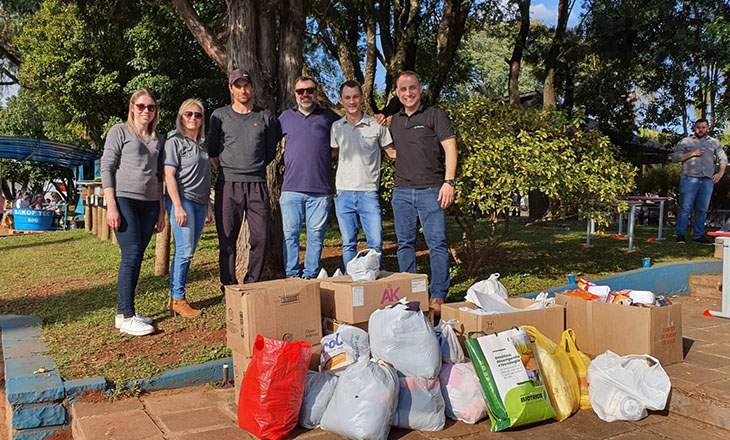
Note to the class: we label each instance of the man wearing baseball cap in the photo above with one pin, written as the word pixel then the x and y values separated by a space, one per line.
pixel 241 143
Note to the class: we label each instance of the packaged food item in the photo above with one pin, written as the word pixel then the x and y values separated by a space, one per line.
pixel 580 363
pixel 462 392
pixel 420 405
pixel 560 378
pixel 510 377
pixel 583 294
pixel 617 297
pixel 343 348
pixel 661 301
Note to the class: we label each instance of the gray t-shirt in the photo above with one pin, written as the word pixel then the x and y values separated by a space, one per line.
pixel 192 166
pixel 702 166
pixel 245 143
pixel 358 167
pixel 130 165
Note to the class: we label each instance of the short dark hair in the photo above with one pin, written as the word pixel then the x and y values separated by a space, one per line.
pixel 407 73
pixel 701 120
pixel 306 78
pixel 351 83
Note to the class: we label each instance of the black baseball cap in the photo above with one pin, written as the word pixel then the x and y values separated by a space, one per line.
pixel 238 74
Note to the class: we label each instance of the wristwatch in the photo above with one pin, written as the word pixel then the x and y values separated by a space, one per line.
pixel 451 182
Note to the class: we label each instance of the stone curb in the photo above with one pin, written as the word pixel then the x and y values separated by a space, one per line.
pixel 191 375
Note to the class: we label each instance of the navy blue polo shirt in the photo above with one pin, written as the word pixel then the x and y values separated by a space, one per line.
pixel 420 158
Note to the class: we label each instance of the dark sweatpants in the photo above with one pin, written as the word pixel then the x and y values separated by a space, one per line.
pixel 232 199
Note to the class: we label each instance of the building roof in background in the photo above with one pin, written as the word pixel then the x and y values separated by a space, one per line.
pixel 64 155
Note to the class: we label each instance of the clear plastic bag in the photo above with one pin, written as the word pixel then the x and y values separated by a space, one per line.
pixel 462 392
pixel 364 402
pixel 420 405
pixel 625 387
pixel 317 394
pixel 365 266
pixel 451 351
pixel 403 337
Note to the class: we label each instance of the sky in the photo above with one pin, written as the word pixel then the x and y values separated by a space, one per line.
pixel 547 11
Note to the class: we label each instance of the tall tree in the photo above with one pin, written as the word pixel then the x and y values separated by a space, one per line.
pixel 519 47
pixel 551 61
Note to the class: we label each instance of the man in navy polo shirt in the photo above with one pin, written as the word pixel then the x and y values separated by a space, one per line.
pixel 307 189
pixel 425 167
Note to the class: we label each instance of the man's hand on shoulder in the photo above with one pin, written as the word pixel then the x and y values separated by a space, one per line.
pixel 381 119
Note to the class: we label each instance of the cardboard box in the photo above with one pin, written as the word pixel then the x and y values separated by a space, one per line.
pixel 287 310
pixel 330 326
pixel 625 329
pixel 550 321
pixel 241 363
pixel 353 301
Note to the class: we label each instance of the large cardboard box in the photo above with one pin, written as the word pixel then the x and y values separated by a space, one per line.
pixel 288 310
pixel 550 321
pixel 330 326
pixel 624 329
pixel 241 363
pixel 352 302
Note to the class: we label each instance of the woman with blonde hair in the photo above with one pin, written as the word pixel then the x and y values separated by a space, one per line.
pixel 187 178
pixel 131 175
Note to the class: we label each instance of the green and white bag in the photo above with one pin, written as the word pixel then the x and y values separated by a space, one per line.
pixel 510 377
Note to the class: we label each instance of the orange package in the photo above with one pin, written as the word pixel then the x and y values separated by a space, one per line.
pixel 580 293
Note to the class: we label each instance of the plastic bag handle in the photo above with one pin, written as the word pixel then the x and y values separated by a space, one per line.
pixel 469 336
pixel 640 356
pixel 494 276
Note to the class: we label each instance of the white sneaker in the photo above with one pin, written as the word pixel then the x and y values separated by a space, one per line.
pixel 136 327
pixel 119 320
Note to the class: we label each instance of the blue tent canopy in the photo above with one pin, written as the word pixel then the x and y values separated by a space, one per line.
pixel 64 155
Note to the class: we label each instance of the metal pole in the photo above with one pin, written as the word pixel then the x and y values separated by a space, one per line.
pixel 661 220
pixel 632 211
pixel 620 223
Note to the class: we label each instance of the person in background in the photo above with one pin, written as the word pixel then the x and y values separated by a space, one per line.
pixel 187 179
pixel 23 202
pixel 307 189
pixel 131 175
pixel 357 141
pixel 697 154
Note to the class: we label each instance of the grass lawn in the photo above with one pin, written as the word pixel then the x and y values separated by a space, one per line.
pixel 69 280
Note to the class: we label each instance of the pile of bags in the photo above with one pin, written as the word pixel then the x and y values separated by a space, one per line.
pixel 627 297
pixel 410 374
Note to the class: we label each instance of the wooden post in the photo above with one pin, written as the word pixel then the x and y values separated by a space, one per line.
pixel 95 216
pixel 115 242
pixel 103 226
pixel 88 215
pixel 162 249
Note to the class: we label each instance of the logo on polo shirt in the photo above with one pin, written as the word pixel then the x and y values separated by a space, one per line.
pixel 416 127
pixel 367 137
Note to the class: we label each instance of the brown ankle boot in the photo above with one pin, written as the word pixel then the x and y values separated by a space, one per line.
pixel 181 307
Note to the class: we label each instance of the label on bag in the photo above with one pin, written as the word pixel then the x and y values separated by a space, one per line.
pixel 418 285
pixel 358 296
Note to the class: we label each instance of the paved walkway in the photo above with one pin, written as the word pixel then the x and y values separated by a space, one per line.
pixel 700 391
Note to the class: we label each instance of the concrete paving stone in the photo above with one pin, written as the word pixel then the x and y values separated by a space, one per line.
pixel 229 433
pixel 687 406
pixel 639 434
pixel 549 430
pixel 454 429
pixel 719 390
pixel 395 434
pixel 706 360
pixel 25 366
pixel 83 409
pixel 697 320
pixel 195 420
pixel 191 375
pixel 685 431
pixel 37 415
pixel 33 389
pixel 8 322
pixel 653 417
pixel 117 427
pixel 78 386
pixel 172 403
pixel 230 409
pixel 21 350
pixel 586 423
pixel 715 349
pixel 696 334
pixel 684 373
pixel 21 335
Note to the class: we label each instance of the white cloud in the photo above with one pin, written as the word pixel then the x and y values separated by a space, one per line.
pixel 550 15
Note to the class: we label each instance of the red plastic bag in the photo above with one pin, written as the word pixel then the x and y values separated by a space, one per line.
pixel 273 387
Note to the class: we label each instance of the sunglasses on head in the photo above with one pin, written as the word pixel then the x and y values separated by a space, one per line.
pixel 150 107
pixel 197 115
pixel 307 90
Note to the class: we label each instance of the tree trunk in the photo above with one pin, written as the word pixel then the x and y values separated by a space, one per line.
pixel 514 62
pixel 549 98
pixel 450 31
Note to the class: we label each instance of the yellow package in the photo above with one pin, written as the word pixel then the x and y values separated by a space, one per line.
pixel 560 378
pixel 580 363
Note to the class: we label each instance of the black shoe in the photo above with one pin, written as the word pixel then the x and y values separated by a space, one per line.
pixel 307 278
pixel 702 240
pixel 680 239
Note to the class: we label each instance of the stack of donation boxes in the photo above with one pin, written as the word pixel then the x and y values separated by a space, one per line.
pixel 352 302
pixel 287 310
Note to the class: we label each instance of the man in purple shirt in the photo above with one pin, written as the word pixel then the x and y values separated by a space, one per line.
pixel 307 189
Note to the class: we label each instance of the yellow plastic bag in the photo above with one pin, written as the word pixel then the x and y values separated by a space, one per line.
pixel 560 379
pixel 580 364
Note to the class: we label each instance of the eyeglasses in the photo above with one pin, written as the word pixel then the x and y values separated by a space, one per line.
pixel 197 115
pixel 307 90
pixel 150 107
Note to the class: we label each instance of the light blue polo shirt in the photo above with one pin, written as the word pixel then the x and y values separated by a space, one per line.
pixel 358 167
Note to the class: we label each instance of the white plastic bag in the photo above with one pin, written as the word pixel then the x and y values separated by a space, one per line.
pixel 625 387
pixel 364 402
pixel 403 337
pixel 420 405
pixel 462 392
pixel 365 266
pixel 490 286
pixel 322 274
pixel 317 394
pixel 451 351
pixel 495 304
pixel 346 346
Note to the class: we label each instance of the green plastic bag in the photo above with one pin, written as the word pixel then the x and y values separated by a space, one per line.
pixel 510 377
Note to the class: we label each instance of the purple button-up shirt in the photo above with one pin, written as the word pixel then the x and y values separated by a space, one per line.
pixel 307 160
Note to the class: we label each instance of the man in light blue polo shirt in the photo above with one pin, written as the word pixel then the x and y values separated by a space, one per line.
pixel 357 140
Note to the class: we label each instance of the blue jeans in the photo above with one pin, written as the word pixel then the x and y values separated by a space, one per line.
pixel 365 205
pixel 297 207
pixel 139 218
pixel 694 192
pixel 186 240
pixel 410 205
